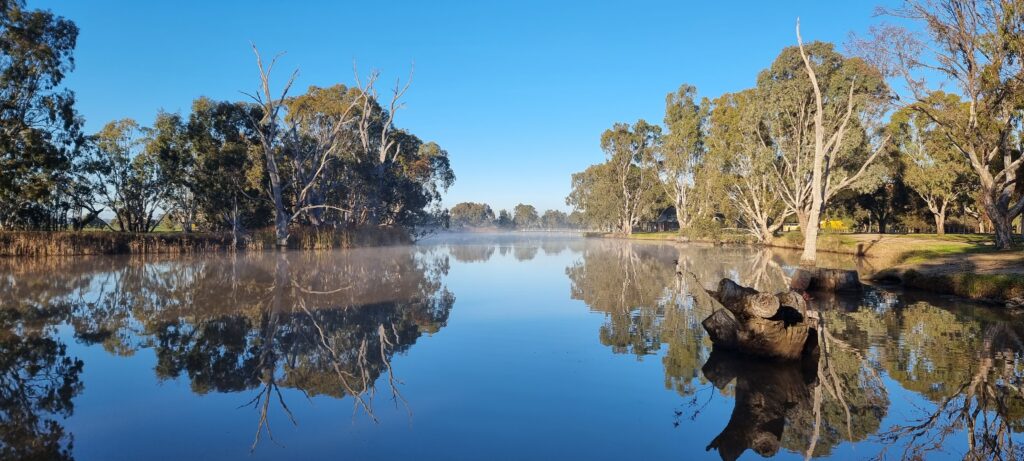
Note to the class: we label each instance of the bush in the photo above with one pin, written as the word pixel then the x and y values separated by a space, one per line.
pixel 704 229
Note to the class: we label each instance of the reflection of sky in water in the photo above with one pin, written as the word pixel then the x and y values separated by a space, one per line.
pixel 555 347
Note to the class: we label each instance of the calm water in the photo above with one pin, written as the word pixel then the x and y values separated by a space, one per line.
pixel 486 347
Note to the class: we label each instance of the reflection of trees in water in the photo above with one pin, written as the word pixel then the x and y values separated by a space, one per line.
pixel 629 284
pixel 522 246
pixel 646 304
pixel 841 396
pixel 38 381
pixel 472 253
pixel 967 363
pixel 325 324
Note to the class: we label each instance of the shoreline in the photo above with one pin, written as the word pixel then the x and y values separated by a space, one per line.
pixel 962 265
pixel 33 244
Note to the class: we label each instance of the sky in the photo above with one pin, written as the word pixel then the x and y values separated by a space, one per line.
pixel 517 92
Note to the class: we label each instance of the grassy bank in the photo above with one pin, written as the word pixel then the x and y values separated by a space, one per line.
pixel 674 236
pixel 966 265
pixel 109 243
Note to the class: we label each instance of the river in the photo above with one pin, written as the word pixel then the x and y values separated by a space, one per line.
pixel 484 346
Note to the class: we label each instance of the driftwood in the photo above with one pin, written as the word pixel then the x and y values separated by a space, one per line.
pixel 821 279
pixel 749 322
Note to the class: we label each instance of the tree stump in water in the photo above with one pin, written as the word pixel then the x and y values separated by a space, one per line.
pixel 821 279
pixel 747 321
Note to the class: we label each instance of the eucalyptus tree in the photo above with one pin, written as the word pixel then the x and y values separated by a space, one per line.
pixel 554 219
pixel 269 132
pixel 595 197
pixel 504 220
pixel 127 177
pixel 471 214
pixel 337 149
pixel 525 216
pixel 825 108
pixel 934 168
pixel 229 176
pixel 630 151
pixel 682 148
pixel 381 142
pixel 975 45
pixel 747 162
pixel 40 132
pixel 169 145
pixel 319 135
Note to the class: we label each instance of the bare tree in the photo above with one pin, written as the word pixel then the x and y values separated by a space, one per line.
pixel 268 130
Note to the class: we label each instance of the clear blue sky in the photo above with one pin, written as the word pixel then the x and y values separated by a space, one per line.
pixel 517 92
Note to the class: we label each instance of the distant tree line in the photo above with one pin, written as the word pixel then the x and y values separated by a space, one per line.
pixel 823 136
pixel 332 156
pixel 480 215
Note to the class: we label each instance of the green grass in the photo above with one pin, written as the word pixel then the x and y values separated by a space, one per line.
pixel 667 235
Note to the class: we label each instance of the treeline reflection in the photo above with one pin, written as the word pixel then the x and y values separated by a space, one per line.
pixel 965 361
pixel 325 325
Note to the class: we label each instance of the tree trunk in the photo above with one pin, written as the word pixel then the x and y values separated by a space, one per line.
pixel 749 322
pixel 801 222
pixel 1001 223
pixel 940 223
pixel 810 253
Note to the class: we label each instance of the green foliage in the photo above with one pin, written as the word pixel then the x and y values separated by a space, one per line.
pixel 471 214
pixel 40 133
pixel 525 216
pixel 504 220
pixel 554 219
pixel 704 229
pixel 624 190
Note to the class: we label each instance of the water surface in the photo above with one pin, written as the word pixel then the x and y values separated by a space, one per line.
pixel 480 347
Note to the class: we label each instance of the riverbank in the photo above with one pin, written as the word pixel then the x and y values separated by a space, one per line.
pixel 965 265
pixel 40 243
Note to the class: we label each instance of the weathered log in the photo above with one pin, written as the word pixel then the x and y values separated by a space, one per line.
pixel 744 301
pixel 822 279
pixel 754 323
pixel 794 300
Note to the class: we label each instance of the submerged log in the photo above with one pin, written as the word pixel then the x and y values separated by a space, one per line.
pixel 754 323
pixel 821 279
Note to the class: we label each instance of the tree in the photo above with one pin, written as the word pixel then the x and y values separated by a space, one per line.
pixel 525 216
pixel 934 168
pixel 504 220
pixel 269 132
pixel 747 162
pixel 127 176
pixel 630 152
pixel 471 214
pixel 170 148
pixel 229 178
pixel 976 45
pixel 554 219
pixel 831 116
pixel 40 133
pixel 595 197
pixel 682 148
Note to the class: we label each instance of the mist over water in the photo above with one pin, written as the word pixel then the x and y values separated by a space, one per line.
pixel 481 346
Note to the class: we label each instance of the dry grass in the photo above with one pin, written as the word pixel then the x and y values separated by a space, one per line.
pixel 108 243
